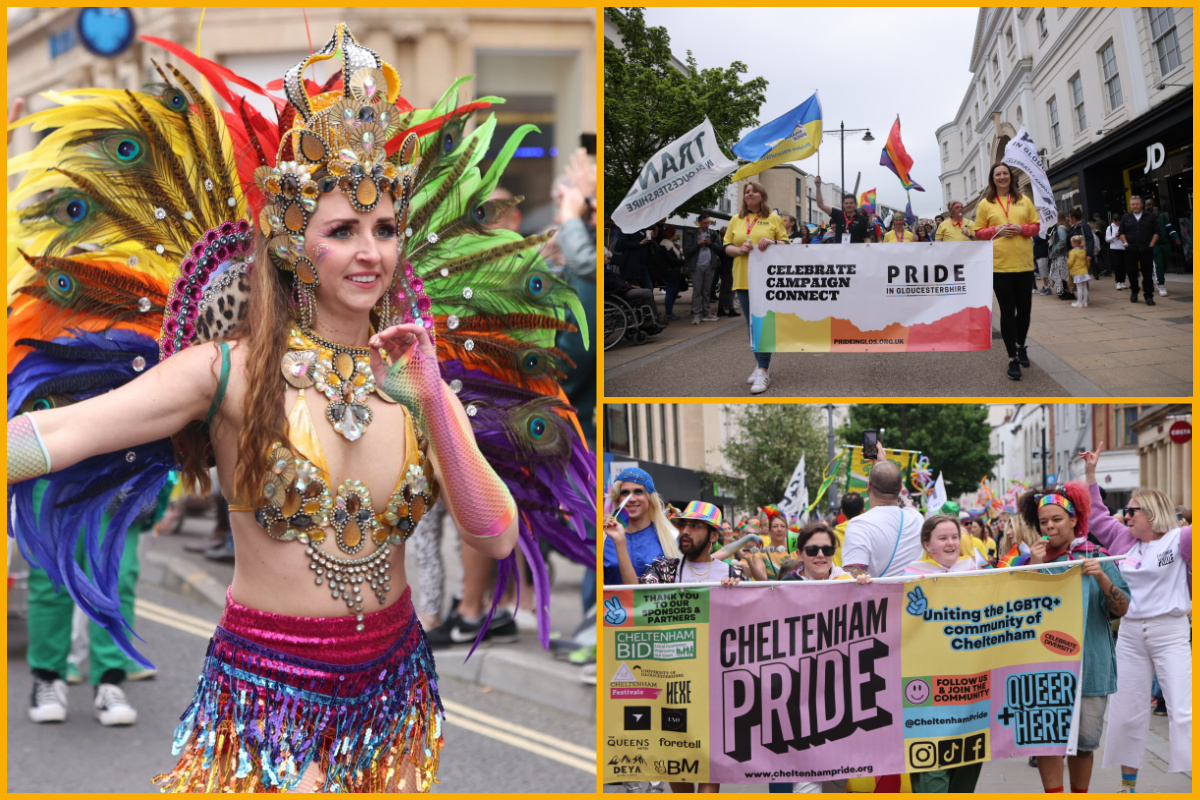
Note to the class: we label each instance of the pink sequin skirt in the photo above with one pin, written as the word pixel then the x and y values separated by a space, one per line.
pixel 280 693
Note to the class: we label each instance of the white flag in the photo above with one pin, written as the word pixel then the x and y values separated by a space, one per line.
pixel 795 497
pixel 937 496
pixel 682 169
pixel 1022 153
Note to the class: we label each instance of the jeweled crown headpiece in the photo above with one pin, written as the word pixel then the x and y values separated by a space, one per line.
pixel 339 141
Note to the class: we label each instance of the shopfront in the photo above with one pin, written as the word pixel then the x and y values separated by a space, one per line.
pixel 1151 157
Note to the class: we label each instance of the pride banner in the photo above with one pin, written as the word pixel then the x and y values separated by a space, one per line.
pixel 810 682
pixel 910 297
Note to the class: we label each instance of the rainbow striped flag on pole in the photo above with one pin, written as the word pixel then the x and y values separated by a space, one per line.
pixel 866 203
pixel 897 159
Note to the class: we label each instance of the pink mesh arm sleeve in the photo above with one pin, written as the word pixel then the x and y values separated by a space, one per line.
pixel 27 456
pixel 481 501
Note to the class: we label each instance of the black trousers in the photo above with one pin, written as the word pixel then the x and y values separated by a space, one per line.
pixel 1140 259
pixel 1116 262
pixel 1014 295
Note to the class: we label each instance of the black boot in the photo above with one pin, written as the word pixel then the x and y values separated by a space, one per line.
pixel 1023 355
pixel 1014 369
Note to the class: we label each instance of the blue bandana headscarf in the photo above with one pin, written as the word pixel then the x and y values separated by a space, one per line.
pixel 635 475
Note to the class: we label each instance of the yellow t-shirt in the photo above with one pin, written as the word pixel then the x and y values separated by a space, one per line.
pixel 949 232
pixel 890 236
pixel 1077 262
pixel 769 227
pixel 1012 253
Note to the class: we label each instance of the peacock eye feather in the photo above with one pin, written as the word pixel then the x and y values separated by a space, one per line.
pixel 537 427
pixel 61 286
pixel 41 404
pixel 128 150
pixel 74 210
pixel 479 213
pixel 448 144
pixel 535 285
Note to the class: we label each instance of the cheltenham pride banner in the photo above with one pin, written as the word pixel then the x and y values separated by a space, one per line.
pixel 911 297
pixel 824 681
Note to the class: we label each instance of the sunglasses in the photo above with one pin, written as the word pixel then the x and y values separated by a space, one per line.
pixel 824 549
pixel 1129 511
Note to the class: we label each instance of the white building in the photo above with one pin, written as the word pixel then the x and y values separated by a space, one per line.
pixel 1019 434
pixel 1072 434
pixel 1106 93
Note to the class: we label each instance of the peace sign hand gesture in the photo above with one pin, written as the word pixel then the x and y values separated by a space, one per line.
pixel 1089 462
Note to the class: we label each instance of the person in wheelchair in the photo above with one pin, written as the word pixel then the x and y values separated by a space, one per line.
pixel 636 297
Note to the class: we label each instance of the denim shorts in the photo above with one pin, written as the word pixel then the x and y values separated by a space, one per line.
pixel 1091 722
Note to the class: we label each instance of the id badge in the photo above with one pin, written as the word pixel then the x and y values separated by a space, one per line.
pixel 846 238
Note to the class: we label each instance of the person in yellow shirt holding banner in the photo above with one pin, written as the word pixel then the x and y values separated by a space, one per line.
pixel 1010 221
pixel 898 232
pixel 754 226
pixel 956 229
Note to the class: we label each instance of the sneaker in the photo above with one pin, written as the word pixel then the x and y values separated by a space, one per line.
pixel 1162 290
pixel 1014 369
pixel 754 375
pixel 1023 356
pixel 74 674
pixel 1045 290
pixel 135 672
pixel 526 620
pixel 714 318
pixel 696 320
pixel 1121 285
pixel 761 383
pixel 672 318
pixel 1036 290
pixel 1160 708
pixel 1150 300
pixel 1076 304
pixel 111 707
pixel 504 627
pixel 48 703
pixel 1133 297
pixel 455 630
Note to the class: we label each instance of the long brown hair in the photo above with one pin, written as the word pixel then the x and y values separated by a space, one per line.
pixel 762 203
pixel 1013 191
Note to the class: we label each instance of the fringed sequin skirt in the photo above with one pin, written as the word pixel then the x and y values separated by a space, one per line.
pixel 280 693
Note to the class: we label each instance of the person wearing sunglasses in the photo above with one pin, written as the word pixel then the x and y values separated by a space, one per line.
pixel 1155 634
pixel 1062 515
pixel 812 559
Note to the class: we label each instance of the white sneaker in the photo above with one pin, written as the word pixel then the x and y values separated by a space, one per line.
pixel 526 620
pixel 1077 304
pixel 49 701
pixel 696 320
pixel 1162 290
pixel 760 385
pixel 715 318
pixel 111 707
pixel 754 375
pixel 1121 285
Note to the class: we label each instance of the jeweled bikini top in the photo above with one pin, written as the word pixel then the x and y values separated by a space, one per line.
pixel 299 502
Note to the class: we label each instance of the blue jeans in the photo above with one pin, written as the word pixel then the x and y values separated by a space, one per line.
pixel 743 298
pixel 672 288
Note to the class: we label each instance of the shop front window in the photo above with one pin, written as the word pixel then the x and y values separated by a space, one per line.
pixel 1066 195
pixel 616 429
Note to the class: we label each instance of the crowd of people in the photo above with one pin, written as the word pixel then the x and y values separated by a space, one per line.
pixel 1136 642
pixel 1133 249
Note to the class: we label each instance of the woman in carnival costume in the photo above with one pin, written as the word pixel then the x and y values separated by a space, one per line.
pixel 265 295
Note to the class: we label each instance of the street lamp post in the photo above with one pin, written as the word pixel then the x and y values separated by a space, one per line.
pixel 841 134
pixel 833 498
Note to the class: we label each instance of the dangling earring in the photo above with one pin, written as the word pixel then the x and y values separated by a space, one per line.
pixel 303 304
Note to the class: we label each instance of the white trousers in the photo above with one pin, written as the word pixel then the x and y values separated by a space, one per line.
pixel 1145 646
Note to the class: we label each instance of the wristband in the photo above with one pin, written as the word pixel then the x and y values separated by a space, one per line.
pixel 27 455
pixel 482 503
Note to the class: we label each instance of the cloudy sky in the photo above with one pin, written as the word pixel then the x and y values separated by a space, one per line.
pixel 869 64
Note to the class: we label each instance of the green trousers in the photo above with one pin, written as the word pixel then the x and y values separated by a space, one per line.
pixel 1161 253
pixel 51 610
pixel 955 779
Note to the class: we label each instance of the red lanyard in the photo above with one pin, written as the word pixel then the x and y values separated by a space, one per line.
pixel 1005 207
pixel 899 237
pixel 750 225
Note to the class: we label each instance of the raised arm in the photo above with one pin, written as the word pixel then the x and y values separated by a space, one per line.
pixel 154 406
pixel 1112 534
pixel 480 503
pixel 821 204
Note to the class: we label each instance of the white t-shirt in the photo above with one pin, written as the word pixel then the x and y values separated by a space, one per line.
pixel 884 538
pixel 1157 578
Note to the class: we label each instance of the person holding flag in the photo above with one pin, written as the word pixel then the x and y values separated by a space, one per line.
pixel 898 233
pixel 957 228
pixel 849 224
pixel 1010 221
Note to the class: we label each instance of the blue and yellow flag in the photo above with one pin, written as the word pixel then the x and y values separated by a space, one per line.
pixel 794 136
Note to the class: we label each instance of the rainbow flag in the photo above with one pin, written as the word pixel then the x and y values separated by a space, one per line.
pixel 867 201
pixel 896 158
pixel 794 136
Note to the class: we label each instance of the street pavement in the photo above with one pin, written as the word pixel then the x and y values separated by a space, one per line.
pixel 516 722
pixel 1111 348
